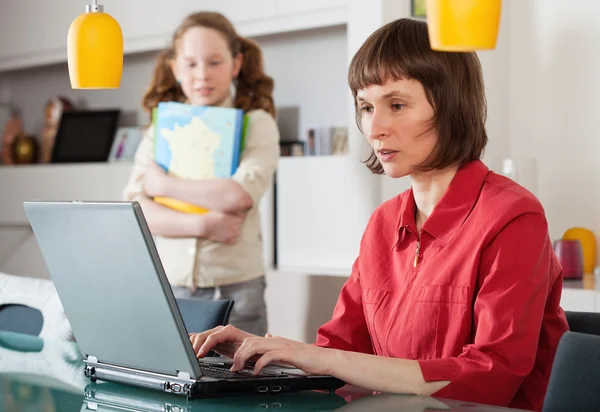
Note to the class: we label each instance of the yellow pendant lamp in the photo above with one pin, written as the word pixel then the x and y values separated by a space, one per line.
pixel 95 50
pixel 463 25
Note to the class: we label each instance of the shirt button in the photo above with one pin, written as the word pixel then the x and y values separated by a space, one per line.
pixel 192 251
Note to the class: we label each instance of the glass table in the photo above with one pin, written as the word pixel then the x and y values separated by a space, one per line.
pixel 47 376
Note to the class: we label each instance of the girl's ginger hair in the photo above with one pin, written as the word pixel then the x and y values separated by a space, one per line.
pixel 254 89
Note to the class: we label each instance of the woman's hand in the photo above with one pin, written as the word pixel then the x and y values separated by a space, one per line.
pixel 223 227
pixel 155 180
pixel 311 359
pixel 225 340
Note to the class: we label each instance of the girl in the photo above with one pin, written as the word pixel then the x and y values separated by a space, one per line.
pixel 456 290
pixel 217 255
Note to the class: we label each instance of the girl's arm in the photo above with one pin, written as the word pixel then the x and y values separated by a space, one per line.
pixel 167 222
pixel 164 221
pixel 224 195
pixel 251 179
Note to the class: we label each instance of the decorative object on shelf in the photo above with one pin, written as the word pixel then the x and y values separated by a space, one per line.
pixel 417 8
pixel 588 245
pixel 125 144
pixel 52 113
pixel 289 148
pixel 25 149
pixel 95 50
pixel 12 129
pixel 326 141
pixel 85 136
pixel 570 257
pixel 339 141
pixel 463 25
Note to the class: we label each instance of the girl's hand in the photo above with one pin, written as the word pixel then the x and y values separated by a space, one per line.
pixel 155 180
pixel 223 227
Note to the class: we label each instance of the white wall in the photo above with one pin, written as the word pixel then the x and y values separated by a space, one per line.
pixel 309 68
pixel 553 111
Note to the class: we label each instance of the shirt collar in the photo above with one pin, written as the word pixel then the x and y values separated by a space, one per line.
pixel 453 208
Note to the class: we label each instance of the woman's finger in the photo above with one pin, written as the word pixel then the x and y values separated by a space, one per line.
pixel 250 348
pixel 198 339
pixel 270 357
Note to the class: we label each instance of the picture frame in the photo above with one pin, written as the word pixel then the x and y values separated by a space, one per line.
pixel 85 136
pixel 418 9
pixel 125 144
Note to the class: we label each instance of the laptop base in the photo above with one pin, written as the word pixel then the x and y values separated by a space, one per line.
pixel 206 387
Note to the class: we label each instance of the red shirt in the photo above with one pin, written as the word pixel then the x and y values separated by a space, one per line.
pixel 481 306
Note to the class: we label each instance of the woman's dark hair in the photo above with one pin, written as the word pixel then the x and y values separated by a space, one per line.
pixel 453 84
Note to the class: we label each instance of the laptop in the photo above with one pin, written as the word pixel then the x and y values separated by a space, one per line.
pixel 108 275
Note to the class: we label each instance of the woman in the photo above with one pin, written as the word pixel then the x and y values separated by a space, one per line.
pixel 217 255
pixel 456 289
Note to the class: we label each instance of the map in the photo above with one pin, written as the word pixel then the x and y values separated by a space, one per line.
pixel 197 142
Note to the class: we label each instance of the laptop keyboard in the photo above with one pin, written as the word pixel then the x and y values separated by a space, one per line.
pixel 222 371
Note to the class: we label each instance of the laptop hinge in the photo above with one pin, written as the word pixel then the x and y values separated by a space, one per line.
pixel 185 376
pixel 181 384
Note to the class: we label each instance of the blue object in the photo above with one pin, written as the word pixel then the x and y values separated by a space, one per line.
pixel 21 319
pixel 207 123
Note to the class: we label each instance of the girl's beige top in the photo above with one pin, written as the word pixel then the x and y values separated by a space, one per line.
pixel 193 262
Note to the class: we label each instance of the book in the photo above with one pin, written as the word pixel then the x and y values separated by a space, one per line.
pixel 197 142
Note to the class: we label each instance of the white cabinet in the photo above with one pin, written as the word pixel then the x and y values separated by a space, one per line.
pixel 323 206
pixel 146 24
pixel 307 6
pixel 581 295
pixel 235 10
pixel 38 30
pixel 35 31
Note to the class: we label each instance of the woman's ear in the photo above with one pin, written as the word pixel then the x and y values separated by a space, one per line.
pixel 237 64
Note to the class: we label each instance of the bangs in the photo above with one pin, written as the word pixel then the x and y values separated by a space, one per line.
pixel 386 56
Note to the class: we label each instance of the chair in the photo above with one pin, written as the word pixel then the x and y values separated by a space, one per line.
pixel 21 319
pixel 575 376
pixel 200 315
pixel 584 322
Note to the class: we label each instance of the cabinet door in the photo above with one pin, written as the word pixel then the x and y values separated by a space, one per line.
pixel 235 10
pixel 322 208
pixel 298 7
pixel 38 30
pixel 146 24
pixel 35 32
